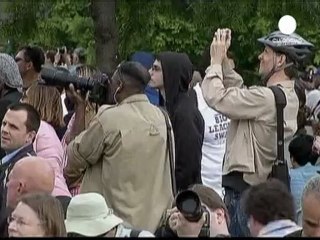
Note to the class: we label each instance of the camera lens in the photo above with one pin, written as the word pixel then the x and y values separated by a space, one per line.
pixel 189 204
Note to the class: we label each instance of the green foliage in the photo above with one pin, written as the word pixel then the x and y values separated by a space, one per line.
pixel 154 25
pixel 50 24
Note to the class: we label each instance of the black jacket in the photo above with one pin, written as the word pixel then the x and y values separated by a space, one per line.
pixel 4 172
pixel 187 122
pixel 12 96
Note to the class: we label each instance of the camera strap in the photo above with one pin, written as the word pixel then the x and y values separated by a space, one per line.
pixel 280 168
pixel 281 102
pixel 170 143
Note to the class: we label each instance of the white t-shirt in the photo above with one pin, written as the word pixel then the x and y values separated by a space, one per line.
pixel 214 144
pixel 123 231
pixel 64 108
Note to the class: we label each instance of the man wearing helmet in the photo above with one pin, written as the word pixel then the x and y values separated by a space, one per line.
pixel 251 142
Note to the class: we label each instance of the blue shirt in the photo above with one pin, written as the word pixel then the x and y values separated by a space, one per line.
pixel 299 177
pixel 9 156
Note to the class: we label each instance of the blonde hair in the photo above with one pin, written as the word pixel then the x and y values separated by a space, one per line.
pixel 49 211
pixel 47 101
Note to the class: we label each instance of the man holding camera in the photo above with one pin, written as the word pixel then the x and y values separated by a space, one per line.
pixel 199 212
pixel 251 141
pixel 123 154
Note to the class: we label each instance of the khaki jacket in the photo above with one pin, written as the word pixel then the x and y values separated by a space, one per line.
pixel 251 140
pixel 123 155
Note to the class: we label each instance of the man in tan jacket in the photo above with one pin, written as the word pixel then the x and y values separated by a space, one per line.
pixel 123 154
pixel 251 140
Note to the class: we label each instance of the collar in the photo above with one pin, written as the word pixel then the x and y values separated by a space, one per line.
pixel 285 84
pixel 11 155
pixel 278 225
pixel 135 98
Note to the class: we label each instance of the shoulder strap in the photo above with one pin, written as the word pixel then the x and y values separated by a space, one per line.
pixel 170 142
pixel 281 102
pixel 135 233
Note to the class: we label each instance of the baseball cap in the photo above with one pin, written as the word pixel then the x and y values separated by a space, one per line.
pixel 89 215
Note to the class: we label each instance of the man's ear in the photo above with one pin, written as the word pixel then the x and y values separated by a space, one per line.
pixel 21 187
pixel 220 215
pixel 281 60
pixel 31 136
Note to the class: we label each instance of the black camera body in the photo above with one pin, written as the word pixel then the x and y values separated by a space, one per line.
pixel 98 85
pixel 189 204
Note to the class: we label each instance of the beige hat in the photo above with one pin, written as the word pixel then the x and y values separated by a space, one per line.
pixel 89 215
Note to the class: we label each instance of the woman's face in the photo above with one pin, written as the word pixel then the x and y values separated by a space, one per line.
pixel 24 222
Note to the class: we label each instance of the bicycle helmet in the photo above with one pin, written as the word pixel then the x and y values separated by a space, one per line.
pixel 293 45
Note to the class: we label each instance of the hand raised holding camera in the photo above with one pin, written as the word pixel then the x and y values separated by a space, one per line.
pixel 183 227
pixel 218 49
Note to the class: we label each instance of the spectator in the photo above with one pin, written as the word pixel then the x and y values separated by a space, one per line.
pixel 10 86
pixel 270 209
pixel 88 215
pixel 47 101
pixel 49 58
pixel 79 56
pixel 78 59
pixel 147 59
pixel 30 60
pixel 251 143
pixel 219 217
pixel 83 113
pixel 18 130
pixel 303 161
pixel 37 215
pixel 29 175
pixel 310 203
pixel 171 73
pixel 214 143
pixel 118 154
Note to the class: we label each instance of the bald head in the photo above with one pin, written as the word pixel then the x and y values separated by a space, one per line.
pixel 30 174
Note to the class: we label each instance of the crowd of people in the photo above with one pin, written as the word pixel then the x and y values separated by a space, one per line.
pixel 173 151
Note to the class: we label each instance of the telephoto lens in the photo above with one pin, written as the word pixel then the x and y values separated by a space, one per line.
pixel 189 204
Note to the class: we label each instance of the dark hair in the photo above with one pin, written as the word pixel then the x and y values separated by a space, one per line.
pixel 134 71
pixel 50 55
pixel 49 211
pixel 300 149
pixel 211 199
pixel 35 55
pixel 33 117
pixel 269 201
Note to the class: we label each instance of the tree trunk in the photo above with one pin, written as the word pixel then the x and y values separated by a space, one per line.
pixel 105 34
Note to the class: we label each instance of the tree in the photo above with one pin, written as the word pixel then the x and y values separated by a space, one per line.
pixel 105 34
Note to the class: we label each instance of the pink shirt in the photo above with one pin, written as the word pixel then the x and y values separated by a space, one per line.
pixel 48 146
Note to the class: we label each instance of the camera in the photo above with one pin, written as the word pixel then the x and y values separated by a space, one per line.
pixel 98 85
pixel 189 205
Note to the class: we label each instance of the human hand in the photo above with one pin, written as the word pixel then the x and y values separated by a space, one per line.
pixel 57 57
pixel 218 48
pixel 228 37
pixel 76 96
pixel 183 227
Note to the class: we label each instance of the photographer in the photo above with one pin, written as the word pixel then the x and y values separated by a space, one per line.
pixel 213 222
pixel 251 142
pixel 123 154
